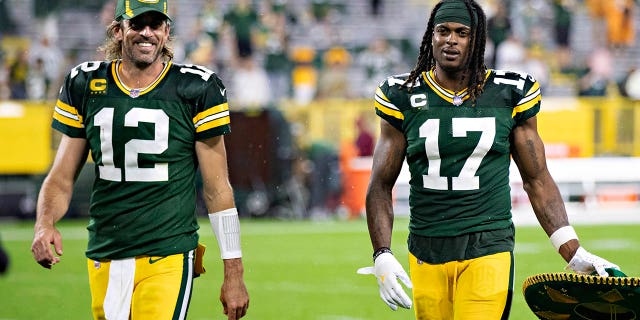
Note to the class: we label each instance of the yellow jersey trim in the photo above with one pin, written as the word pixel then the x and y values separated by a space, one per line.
pixel 67 114
pixel 213 124
pixel 382 103
pixel 213 117
pixel 532 98
pixel 114 71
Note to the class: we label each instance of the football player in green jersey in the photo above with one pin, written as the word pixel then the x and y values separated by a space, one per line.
pixel 149 124
pixel 457 124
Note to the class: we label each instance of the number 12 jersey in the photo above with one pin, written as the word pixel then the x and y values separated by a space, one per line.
pixel 142 142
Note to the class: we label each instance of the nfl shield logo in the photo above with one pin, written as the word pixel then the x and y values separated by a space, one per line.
pixel 457 100
pixel 134 93
pixel 96 264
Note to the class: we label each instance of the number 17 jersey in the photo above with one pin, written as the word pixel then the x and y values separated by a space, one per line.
pixel 458 151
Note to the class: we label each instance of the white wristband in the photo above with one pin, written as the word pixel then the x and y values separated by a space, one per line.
pixel 226 227
pixel 562 235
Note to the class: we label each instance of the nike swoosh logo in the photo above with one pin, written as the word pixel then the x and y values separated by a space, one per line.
pixel 223 91
pixel 152 261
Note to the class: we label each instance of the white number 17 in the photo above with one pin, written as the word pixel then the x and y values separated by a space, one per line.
pixel 467 179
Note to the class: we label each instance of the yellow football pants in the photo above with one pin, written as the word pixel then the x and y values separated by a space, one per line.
pixel 475 289
pixel 155 288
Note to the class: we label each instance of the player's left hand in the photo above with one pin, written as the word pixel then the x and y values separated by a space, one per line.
pixel 387 270
pixel 44 238
pixel 584 262
pixel 233 294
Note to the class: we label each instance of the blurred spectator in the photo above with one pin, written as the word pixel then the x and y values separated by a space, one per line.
pixel 51 58
pixel 304 76
pixel 323 30
pixel 322 35
pixel 536 61
pixel 531 14
pixel 242 18
pixel 376 7
pixel 511 54
pixel 334 75
pixel 365 140
pixel 620 23
pixel 320 9
pixel 379 60
pixel 211 20
pixel 202 51
pixel 563 17
pixel 7 26
pixel 37 81
pixel 596 9
pixel 324 181
pixel 535 66
pixel 18 71
pixel 249 87
pixel 498 28
pixel 276 51
pixel 595 78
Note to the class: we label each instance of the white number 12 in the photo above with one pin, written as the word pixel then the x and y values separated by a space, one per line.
pixel 466 180
pixel 132 171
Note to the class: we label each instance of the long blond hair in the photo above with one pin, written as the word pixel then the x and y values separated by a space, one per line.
pixel 112 47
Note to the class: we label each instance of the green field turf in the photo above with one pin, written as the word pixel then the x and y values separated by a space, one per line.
pixel 294 270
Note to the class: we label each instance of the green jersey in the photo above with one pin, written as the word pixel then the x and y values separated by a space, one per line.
pixel 143 145
pixel 458 152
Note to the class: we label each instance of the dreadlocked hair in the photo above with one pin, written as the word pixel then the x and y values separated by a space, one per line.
pixel 475 60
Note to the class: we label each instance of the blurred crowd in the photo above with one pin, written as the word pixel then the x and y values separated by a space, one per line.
pixel 275 53
pixel 267 51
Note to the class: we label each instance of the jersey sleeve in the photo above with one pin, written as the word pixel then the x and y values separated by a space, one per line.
pixel 529 99
pixel 68 114
pixel 212 110
pixel 385 107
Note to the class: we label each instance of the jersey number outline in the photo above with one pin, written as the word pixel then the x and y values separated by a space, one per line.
pixel 467 179
pixel 132 171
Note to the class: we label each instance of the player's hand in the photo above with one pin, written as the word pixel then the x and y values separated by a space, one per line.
pixel 387 270
pixel 233 294
pixel 584 262
pixel 41 247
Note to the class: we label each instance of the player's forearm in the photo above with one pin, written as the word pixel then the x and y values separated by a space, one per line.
pixel 233 268
pixel 547 204
pixel 53 202
pixel 218 199
pixel 379 217
pixel 550 211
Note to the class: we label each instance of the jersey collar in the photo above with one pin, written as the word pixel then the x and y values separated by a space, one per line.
pixel 136 92
pixel 446 94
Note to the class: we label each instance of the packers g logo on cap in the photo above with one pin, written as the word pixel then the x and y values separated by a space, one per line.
pixel 129 9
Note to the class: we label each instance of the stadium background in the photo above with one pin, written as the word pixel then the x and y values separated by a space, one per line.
pixel 300 149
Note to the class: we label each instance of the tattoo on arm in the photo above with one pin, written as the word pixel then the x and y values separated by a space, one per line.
pixel 533 155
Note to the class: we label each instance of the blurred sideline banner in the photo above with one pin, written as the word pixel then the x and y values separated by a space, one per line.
pixel 25 137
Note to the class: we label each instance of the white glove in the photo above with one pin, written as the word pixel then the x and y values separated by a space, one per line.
pixel 584 262
pixel 386 269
